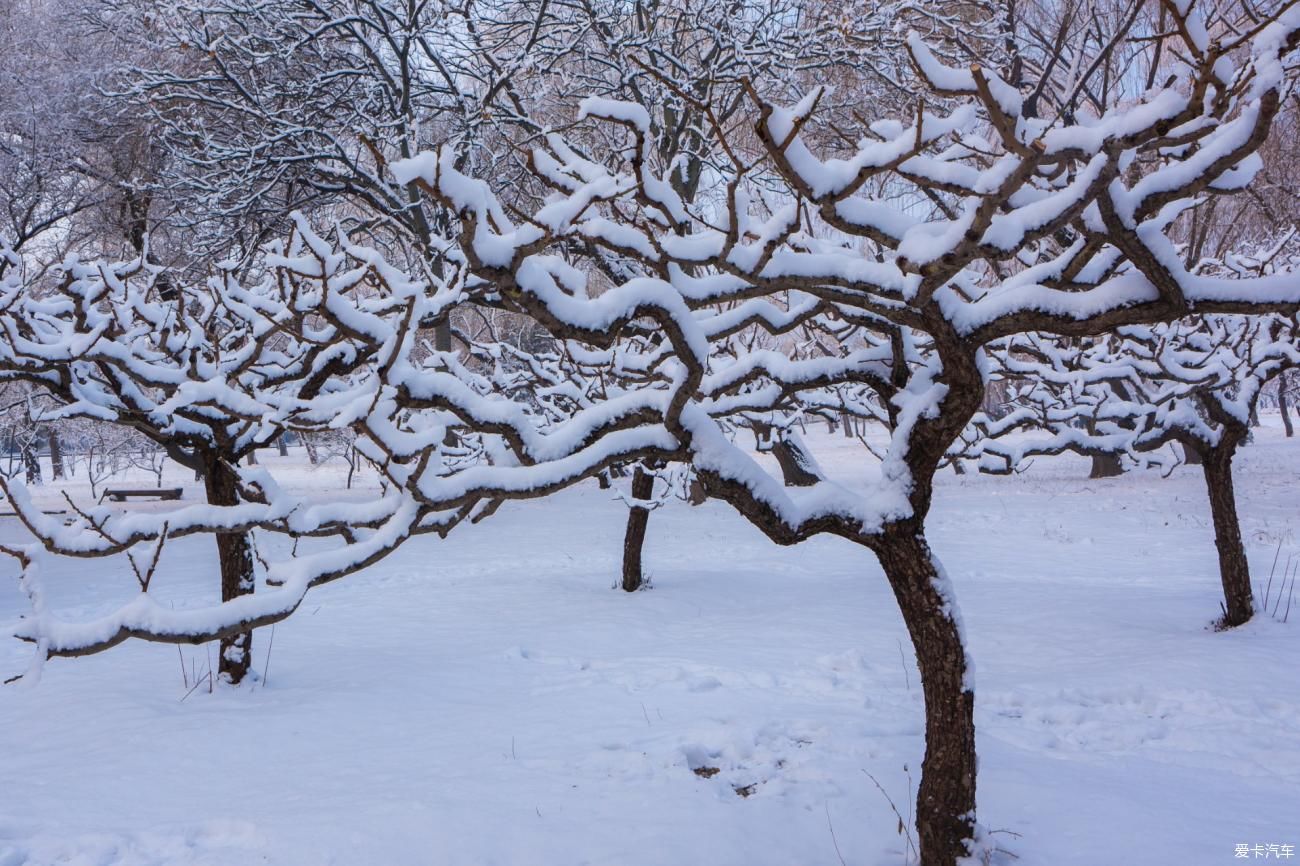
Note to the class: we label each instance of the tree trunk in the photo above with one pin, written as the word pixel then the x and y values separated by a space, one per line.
pixel 1191 456
pixel 795 462
pixel 945 801
pixel 310 448
pixel 1234 570
pixel 697 493
pixel 1283 408
pixel 1106 466
pixel 32 463
pixel 643 487
pixel 235 556
pixel 281 446
pixel 56 455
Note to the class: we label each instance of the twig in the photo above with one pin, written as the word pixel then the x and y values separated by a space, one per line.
pixel 270 645
pixel 907 678
pixel 904 828
pixel 207 676
pixel 831 827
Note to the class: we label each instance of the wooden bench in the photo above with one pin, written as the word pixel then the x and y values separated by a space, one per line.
pixel 121 495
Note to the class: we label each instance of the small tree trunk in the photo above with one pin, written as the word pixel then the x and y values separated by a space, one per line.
pixel 1106 466
pixel 847 420
pixel 697 494
pixel 281 446
pixel 1283 408
pixel 252 457
pixel 1191 456
pixel 235 556
pixel 32 463
pixel 1234 570
pixel 945 801
pixel 643 487
pixel 796 464
pixel 442 336
pixel 312 456
pixel 56 455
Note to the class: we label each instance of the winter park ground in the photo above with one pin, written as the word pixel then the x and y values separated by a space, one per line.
pixel 490 699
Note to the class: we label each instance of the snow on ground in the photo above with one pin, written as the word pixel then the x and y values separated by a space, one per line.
pixel 490 699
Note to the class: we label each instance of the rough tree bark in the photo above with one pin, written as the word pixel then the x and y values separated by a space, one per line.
pixel 1284 409
pixel 643 487
pixel 56 455
pixel 235 557
pixel 794 462
pixel 697 493
pixel 1234 570
pixel 1191 456
pixel 945 802
pixel 32 462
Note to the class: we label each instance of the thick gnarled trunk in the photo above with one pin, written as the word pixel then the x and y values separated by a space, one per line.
pixel 945 801
pixel 235 558
pixel 1234 570
pixel 643 487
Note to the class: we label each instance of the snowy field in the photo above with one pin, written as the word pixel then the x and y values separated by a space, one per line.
pixel 490 699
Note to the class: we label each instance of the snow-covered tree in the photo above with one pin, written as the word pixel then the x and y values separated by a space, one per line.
pixel 1195 382
pixel 188 368
pixel 1045 228
pixel 936 234
pixel 367 82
